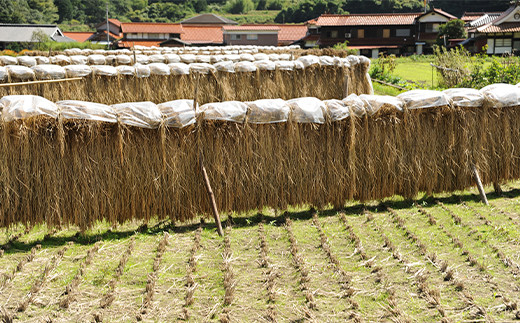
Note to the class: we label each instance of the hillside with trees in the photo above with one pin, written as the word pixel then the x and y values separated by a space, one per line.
pixel 86 13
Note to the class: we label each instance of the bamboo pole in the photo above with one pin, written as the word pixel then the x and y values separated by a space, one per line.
pixel 211 195
pixel 203 169
pixel 40 82
pixel 479 184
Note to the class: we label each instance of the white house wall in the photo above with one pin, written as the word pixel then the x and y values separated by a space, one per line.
pixel 433 17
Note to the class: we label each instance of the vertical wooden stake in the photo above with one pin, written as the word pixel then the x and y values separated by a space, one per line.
pixel 211 195
pixel 204 172
pixel 345 84
pixel 479 185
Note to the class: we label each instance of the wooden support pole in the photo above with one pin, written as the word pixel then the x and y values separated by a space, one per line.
pixel 479 185
pixel 345 86
pixel 211 196
pixel 40 82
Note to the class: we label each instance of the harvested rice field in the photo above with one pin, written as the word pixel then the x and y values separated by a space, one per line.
pixel 439 258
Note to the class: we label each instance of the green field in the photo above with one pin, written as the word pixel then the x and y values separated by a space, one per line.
pixel 443 257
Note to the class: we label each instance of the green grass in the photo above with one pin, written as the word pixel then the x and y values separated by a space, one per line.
pixel 381 89
pixel 250 298
pixel 417 72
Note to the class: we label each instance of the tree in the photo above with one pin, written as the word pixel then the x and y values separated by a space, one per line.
pixel 42 12
pixel 200 5
pixel 307 10
pixel 9 12
pixel 453 29
pixel 261 5
pixel 239 6
pixel 65 10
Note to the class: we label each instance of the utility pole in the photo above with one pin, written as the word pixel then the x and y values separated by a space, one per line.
pixel 108 30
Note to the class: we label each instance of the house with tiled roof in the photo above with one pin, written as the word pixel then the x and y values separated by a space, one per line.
pixel 501 33
pixel 393 33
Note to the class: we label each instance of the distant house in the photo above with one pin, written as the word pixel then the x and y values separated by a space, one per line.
pixel 25 33
pixel 394 33
pixel 196 35
pixel 500 32
pixel 148 33
pixel 261 35
pixel 201 30
pixel 78 36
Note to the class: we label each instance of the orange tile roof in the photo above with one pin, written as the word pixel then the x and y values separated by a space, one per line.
pixel 151 27
pixel 367 19
pixel 252 28
pixel 147 43
pixel 508 27
pixel 291 32
pixel 78 36
pixel 202 34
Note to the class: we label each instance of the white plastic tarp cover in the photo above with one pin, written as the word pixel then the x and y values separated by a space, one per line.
pixel 307 110
pixel 423 99
pixel 274 57
pixel 326 60
pixel 49 72
pixel 20 72
pixel 77 70
pixel 227 111
pixel 60 59
pixel 355 105
pixel 309 60
pixel 17 107
pixel 188 58
pixel 172 58
pixel 501 95
pixel 8 60
pixel 298 65
pixel 72 109
pixel 285 65
pixel 138 114
pixel 336 109
pixel 179 68
pixel 285 57
pixel 225 66
pixel 42 60
pixel 110 59
pixel 266 65
pixel 125 70
pixel 204 59
pixel 142 70
pixel 142 59
pixel 203 68
pixel 268 111
pixel 104 70
pixel 247 57
pixel 26 61
pixel 373 103
pixel 178 113
pixel 467 98
pixel 353 60
pixel 159 69
pixel 261 57
pixel 96 60
pixel 79 59
pixel 245 67
pixel 3 73
pixel 123 59
pixel 156 58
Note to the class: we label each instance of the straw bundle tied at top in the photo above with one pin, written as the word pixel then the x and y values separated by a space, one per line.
pixel 77 162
